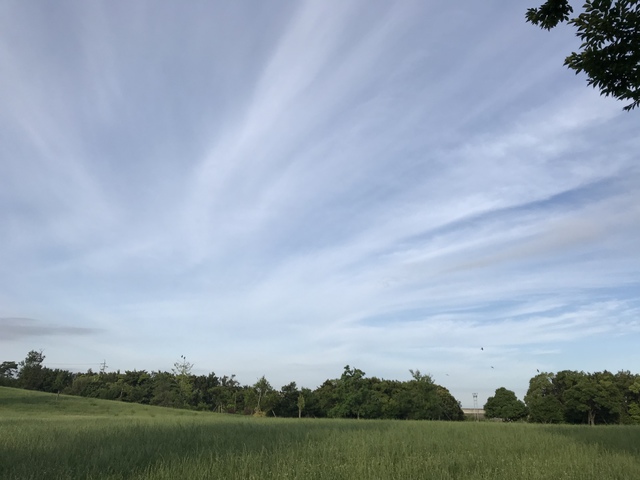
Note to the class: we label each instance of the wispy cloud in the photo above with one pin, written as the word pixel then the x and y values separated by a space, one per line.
pixel 14 329
pixel 283 190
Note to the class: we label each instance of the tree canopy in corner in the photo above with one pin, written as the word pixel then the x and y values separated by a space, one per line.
pixel 610 49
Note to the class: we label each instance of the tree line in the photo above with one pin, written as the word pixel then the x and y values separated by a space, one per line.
pixel 565 397
pixel 352 395
pixel 572 397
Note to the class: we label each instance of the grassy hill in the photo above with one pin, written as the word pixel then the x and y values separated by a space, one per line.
pixel 19 403
pixel 43 436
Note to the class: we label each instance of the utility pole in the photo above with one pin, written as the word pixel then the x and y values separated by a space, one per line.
pixel 103 366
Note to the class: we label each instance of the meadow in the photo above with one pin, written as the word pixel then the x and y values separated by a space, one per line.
pixel 43 436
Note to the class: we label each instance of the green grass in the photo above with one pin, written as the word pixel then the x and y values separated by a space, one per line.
pixel 44 437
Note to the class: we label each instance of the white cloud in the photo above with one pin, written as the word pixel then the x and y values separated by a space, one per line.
pixel 315 186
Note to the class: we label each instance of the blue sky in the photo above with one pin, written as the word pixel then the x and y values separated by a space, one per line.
pixel 285 188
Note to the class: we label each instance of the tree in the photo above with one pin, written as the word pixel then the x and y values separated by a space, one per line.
pixel 596 395
pixel 203 385
pixel 541 400
pixel 450 406
pixel 419 399
pixel 300 405
pixel 627 382
pixel 182 371
pixel 287 402
pixel 314 401
pixel 57 380
pixel 634 404
pixel 505 405
pixel 165 391
pixel 265 399
pixel 225 395
pixel 396 404
pixel 136 386
pixel 8 372
pixel 610 49
pixel 33 359
pixel 352 394
pixel 31 374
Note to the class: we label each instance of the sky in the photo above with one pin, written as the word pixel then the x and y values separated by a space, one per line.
pixel 285 188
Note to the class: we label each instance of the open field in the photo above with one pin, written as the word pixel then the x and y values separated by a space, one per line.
pixel 42 437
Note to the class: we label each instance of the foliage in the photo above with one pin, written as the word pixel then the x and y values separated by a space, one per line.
pixel 352 394
pixel 594 395
pixel 579 397
pixel 610 49
pixel 564 397
pixel 544 406
pixel 31 375
pixel 287 406
pixel 8 373
pixel 166 391
pixel 450 406
pixel 300 405
pixel 263 397
pixel 8 369
pixel 420 400
pixel 633 400
pixel 182 373
pixel 505 405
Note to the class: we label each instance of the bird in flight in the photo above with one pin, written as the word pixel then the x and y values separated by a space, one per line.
pixel 481 348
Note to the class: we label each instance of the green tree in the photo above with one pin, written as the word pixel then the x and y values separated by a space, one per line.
pixel 352 393
pixel 450 406
pixel 505 405
pixel 300 404
pixel 8 373
pixel 313 398
pixel 597 396
pixel 85 385
pixel 563 381
pixel 634 403
pixel 264 400
pixel 625 381
pixel 203 385
pixel 610 49
pixel 31 375
pixel 225 395
pixel 136 387
pixel 165 390
pixel 8 369
pixel 287 405
pixel 56 381
pixel 396 405
pixel 419 398
pixel 182 372
pixel 326 398
pixel 542 401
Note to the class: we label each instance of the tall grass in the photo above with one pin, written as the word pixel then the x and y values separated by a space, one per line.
pixel 74 438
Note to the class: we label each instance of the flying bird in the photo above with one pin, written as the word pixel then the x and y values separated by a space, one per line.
pixel 481 348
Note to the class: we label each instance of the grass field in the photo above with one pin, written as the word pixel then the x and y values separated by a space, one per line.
pixel 44 437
